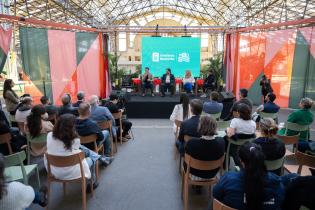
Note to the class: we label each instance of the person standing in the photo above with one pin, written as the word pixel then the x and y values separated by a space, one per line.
pixel 10 97
pixel 168 82
pixel 265 86
pixel 147 79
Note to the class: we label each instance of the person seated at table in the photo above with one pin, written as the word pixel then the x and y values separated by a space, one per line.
pixel 241 127
pixel 67 107
pixel 190 126
pixel 273 148
pixel 206 148
pixel 147 81
pixel 17 196
pixel 208 84
pixel 114 108
pixel 302 116
pixel 181 111
pixel 213 106
pixel 168 82
pixel 253 187
pixel 188 81
pixel 80 97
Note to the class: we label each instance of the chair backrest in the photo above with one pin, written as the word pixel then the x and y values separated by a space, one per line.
pixel 304 159
pixel 105 124
pixel 187 138
pixel 117 115
pixel 203 165
pixel 272 165
pixel 89 139
pixel 65 161
pixel 42 138
pixel 223 125
pixel 268 115
pixel 6 139
pixel 288 140
pixel 296 127
pixel 217 205
pixel 216 115
pixel 15 159
pixel 240 142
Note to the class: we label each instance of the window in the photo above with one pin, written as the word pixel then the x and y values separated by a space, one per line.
pixel 122 44
pixel 204 40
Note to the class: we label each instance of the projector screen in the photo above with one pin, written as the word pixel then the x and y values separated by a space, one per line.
pixel 177 53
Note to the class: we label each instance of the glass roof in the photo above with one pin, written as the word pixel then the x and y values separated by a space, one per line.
pixel 102 13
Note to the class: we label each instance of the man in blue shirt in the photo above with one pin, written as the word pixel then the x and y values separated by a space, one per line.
pixel 213 106
pixel 269 106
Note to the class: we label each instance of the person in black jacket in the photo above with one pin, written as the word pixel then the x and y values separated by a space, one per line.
pixel 207 147
pixel 67 107
pixel 86 127
pixel 272 148
pixel 168 82
pixel 190 126
pixel 80 97
pixel 209 83
pixel 114 108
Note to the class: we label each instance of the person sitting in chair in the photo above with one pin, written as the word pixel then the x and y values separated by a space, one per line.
pixel 188 81
pixel 208 84
pixel 147 79
pixel 168 82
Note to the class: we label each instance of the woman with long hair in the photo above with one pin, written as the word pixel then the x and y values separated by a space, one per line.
pixel 17 196
pixel 188 81
pixel 10 97
pixel 181 111
pixel 272 147
pixel 37 123
pixel 253 188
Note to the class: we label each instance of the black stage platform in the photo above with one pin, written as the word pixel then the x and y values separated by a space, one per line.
pixel 157 106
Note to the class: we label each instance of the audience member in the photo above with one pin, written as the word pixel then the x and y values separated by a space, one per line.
pixel 300 192
pixel 181 111
pixel 209 83
pixel 269 106
pixel 213 106
pixel 17 196
pixel 50 109
pixel 37 124
pixel 188 81
pixel 63 141
pixel 190 126
pixel 85 127
pixel 10 97
pixel 253 187
pixel 272 148
pixel 23 110
pixel 114 108
pixel 241 127
pixel 80 97
pixel 66 107
pixel 99 113
pixel 147 81
pixel 168 82
pixel 302 116
pixel 206 148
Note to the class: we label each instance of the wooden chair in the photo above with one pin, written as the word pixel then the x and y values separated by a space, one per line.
pixel 289 140
pixel 97 147
pixel 68 161
pixel 223 125
pixel 217 205
pixel 199 165
pixel 118 116
pixel 239 142
pixel 297 128
pixel 15 169
pixel 107 125
pixel 6 139
pixel 41 139
pixel 186 139
pixel 178 124
pixel 302 159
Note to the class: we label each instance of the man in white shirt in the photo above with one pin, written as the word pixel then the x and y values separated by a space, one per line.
pixel 168 82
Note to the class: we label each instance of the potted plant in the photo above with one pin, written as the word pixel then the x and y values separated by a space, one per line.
pixel 215 64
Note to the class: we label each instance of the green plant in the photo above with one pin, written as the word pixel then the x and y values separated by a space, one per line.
pixel 215 64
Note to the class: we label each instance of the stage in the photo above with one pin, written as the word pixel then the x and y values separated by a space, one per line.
pixel 159 107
